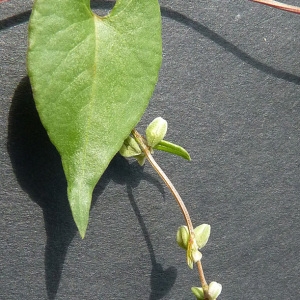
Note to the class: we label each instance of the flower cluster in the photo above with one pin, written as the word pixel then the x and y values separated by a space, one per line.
pixel 192 242
pixel 214 290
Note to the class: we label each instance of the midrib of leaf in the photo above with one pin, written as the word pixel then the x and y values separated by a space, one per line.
pixel 92 102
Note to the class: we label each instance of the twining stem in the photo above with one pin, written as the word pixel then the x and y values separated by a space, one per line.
pixel 164 177
pixel 202 278
pixel 279 5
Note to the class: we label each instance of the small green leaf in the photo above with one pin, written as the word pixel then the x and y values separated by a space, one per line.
pixel 130 148
pixel 92 78
pixel 172 148
pixel 141 159
pixel 198 292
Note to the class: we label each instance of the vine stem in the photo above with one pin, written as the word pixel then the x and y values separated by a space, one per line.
pixel 164 177
pixel 279 5
pixel 202 278
pixel 169 184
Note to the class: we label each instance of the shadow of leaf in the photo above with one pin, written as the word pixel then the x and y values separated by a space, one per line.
pixel 37 166
pixel 38 169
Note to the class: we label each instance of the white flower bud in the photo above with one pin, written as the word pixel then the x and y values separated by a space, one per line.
pixel 197 255
pixel 192 254
pixel 214 290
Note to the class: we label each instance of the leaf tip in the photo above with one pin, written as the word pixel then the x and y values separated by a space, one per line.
pixel 80 198
pixel 82 224
pixel 82 232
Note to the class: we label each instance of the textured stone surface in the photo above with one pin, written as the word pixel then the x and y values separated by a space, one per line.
pixel 229 88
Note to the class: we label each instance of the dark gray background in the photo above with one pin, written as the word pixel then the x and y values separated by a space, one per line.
pixel 229 88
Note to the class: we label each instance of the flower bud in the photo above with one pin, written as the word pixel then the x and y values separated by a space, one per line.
pixel 183 237
pixel 196 255
pixel 202 234
pixel 192 253
pixel 156 131
pixel 130 148
pixel 214 290
pixel 198 292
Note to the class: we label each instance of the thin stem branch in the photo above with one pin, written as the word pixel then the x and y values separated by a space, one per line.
pixel 164 177
pixel 202 277
pixel 279 5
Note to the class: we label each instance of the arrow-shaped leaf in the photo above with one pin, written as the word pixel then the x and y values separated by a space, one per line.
pixel 92 78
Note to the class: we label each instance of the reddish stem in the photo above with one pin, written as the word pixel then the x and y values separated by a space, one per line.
pixel 279 5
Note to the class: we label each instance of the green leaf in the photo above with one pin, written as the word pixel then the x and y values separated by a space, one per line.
pixel 198 292
pixel 92 78
pixel 130 148
pixel 172 148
